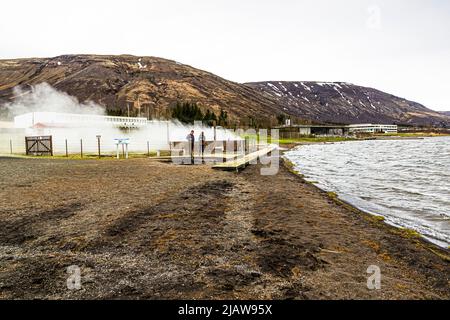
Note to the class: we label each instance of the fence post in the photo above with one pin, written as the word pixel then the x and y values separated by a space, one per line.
pixel 148 148
pixel 10 146
pixel 98 145
pixel 224 151
pixel 67 151
pixel 247 145
pixel 51 146
pixel 81 148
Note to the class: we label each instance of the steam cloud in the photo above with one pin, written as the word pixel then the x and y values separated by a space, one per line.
pixel 44 98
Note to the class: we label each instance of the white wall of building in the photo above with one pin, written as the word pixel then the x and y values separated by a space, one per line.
pixel 373 128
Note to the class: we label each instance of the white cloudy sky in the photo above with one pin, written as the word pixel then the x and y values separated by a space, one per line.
pixel 399 46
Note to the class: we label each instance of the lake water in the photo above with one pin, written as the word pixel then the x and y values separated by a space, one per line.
pixel 405 181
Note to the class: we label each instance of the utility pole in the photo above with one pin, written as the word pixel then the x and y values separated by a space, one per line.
pixel 139 107
pixel 128 124
pixel 168 135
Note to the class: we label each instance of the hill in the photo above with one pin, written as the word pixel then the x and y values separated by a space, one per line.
pixel 151 86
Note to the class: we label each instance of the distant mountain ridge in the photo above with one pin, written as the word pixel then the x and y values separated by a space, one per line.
pixel 342 102
pixel 154 85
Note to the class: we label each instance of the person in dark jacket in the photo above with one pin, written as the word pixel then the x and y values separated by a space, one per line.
pixel 202 141
pixel 191 141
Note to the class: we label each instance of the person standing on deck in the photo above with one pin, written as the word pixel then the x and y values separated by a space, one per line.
pixel 202 142
pixel 191 141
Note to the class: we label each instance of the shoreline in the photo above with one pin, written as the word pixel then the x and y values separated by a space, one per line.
pixel 337 198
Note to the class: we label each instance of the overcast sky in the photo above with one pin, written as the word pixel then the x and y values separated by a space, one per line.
pixel 398 46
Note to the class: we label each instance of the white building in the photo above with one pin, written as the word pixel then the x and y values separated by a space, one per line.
pixel 54 119
pixel 373 128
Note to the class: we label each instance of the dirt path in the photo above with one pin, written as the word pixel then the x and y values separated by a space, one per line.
pixel 146 230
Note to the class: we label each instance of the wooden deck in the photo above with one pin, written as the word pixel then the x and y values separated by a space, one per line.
pixel 241 163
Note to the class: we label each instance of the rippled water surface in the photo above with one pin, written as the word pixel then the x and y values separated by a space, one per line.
pixel 406 181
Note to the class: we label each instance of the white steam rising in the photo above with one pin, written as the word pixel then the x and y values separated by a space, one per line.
pixel 44 98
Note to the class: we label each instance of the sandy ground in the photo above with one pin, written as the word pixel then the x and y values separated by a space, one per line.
pixel 141 229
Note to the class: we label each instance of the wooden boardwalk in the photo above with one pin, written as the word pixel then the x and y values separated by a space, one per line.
pixel 241 163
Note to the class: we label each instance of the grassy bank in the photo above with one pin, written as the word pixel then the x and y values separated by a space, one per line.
pixel 415 134
pixel 311 140
pixel 299 140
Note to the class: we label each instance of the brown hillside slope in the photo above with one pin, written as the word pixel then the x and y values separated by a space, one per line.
pixel 156 84
pixel 153 83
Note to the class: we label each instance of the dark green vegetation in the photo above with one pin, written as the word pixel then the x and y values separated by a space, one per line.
pixel 189 112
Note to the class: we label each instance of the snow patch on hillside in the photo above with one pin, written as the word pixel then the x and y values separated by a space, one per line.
pixel 305 86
